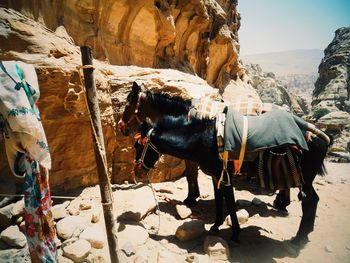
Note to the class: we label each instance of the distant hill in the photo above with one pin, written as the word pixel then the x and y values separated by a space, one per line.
pixel 301 61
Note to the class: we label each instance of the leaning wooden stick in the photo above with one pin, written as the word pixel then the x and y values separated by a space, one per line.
pixel 100 153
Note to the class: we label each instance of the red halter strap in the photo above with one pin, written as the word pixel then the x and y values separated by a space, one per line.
pixel 136 110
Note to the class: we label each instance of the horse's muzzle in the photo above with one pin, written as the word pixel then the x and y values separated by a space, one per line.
pixel 139 170
pixel 124 128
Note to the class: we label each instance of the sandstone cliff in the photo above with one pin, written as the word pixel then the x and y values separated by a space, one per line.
pixel 198 37
pixel 331 97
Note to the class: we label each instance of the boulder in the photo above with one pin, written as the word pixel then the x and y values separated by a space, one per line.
pixel 71 226
pixel 13 237
pixel 217 248
pixel 59 211
pixel 135 234
pixel 77 251
pixel 190 230
pixel 95 235
pixel 6 216
pixel 18 208
pixel 134 204
pixel 183 211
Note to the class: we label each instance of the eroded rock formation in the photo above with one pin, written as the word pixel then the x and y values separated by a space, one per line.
pixel 198 37
pixel 272 90
pixel 331 97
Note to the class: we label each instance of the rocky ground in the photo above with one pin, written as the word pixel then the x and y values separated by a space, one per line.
pixel 163 236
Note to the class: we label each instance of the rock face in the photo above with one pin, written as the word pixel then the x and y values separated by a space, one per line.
pixel 331 97
pixel 272 90
pixel 301 85
pixel 197 36
pixel 63 109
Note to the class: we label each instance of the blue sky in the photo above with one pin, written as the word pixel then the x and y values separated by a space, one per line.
pixel 279 25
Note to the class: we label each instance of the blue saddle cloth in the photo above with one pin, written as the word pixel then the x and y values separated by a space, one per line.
pixel 271 129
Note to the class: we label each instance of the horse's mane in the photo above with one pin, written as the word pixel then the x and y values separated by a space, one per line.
pixel 170 105
pixel 167 123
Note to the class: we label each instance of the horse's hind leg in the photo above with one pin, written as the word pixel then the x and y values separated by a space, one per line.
pixel 231 209
pixel 311 164
pixel 282 200
pixel 309 207
pixel 226 191
pixel 192 181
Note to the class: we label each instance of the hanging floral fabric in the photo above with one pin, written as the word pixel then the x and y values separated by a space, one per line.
pixel 28 154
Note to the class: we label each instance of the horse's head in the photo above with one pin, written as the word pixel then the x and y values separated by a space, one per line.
pixel 132 116
pixel 146 153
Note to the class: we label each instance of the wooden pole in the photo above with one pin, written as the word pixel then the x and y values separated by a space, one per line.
pixel 100 153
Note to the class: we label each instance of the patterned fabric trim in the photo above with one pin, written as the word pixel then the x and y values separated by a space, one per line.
pixel 40 229
pixel 43 145
pixel 20 111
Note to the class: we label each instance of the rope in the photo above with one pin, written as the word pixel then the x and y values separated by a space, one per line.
pixel 156 201
pixel 157 231
pixel 52 196
pixel 86 66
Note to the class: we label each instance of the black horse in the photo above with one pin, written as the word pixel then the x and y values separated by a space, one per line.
pixel 142 104
pixel 196 140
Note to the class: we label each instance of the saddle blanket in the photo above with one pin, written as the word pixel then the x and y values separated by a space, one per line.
pixel 209 108
pixel 271 129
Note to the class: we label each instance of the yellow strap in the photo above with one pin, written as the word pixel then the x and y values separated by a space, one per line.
pixel 224 167
pixel 244 144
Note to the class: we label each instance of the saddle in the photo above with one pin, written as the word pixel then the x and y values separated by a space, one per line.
pixel 277 137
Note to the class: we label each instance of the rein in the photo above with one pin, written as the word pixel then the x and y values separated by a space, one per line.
pixel 148 144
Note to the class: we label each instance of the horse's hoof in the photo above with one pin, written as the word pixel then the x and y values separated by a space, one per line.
pixel 291 249
pixel 283 212
pixel 214 230
pixel 281 208
pixel 190 202
pixel 299 242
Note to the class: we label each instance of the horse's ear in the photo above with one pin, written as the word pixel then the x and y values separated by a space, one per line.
pixel 135 88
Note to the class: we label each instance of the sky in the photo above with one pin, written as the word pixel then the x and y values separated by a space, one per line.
pixel 280 25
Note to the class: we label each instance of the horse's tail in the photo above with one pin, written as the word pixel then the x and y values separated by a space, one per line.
pixel 320 147
pixel 322 171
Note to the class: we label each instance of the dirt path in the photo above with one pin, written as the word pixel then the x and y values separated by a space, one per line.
pixel 265 237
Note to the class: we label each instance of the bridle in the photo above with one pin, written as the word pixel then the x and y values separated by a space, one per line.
pixel 141 161
pixel 136 110
pixel 123 125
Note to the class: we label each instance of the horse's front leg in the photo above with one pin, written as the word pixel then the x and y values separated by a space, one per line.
pixel 219 213
pixel 231 208
pixel 191 173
